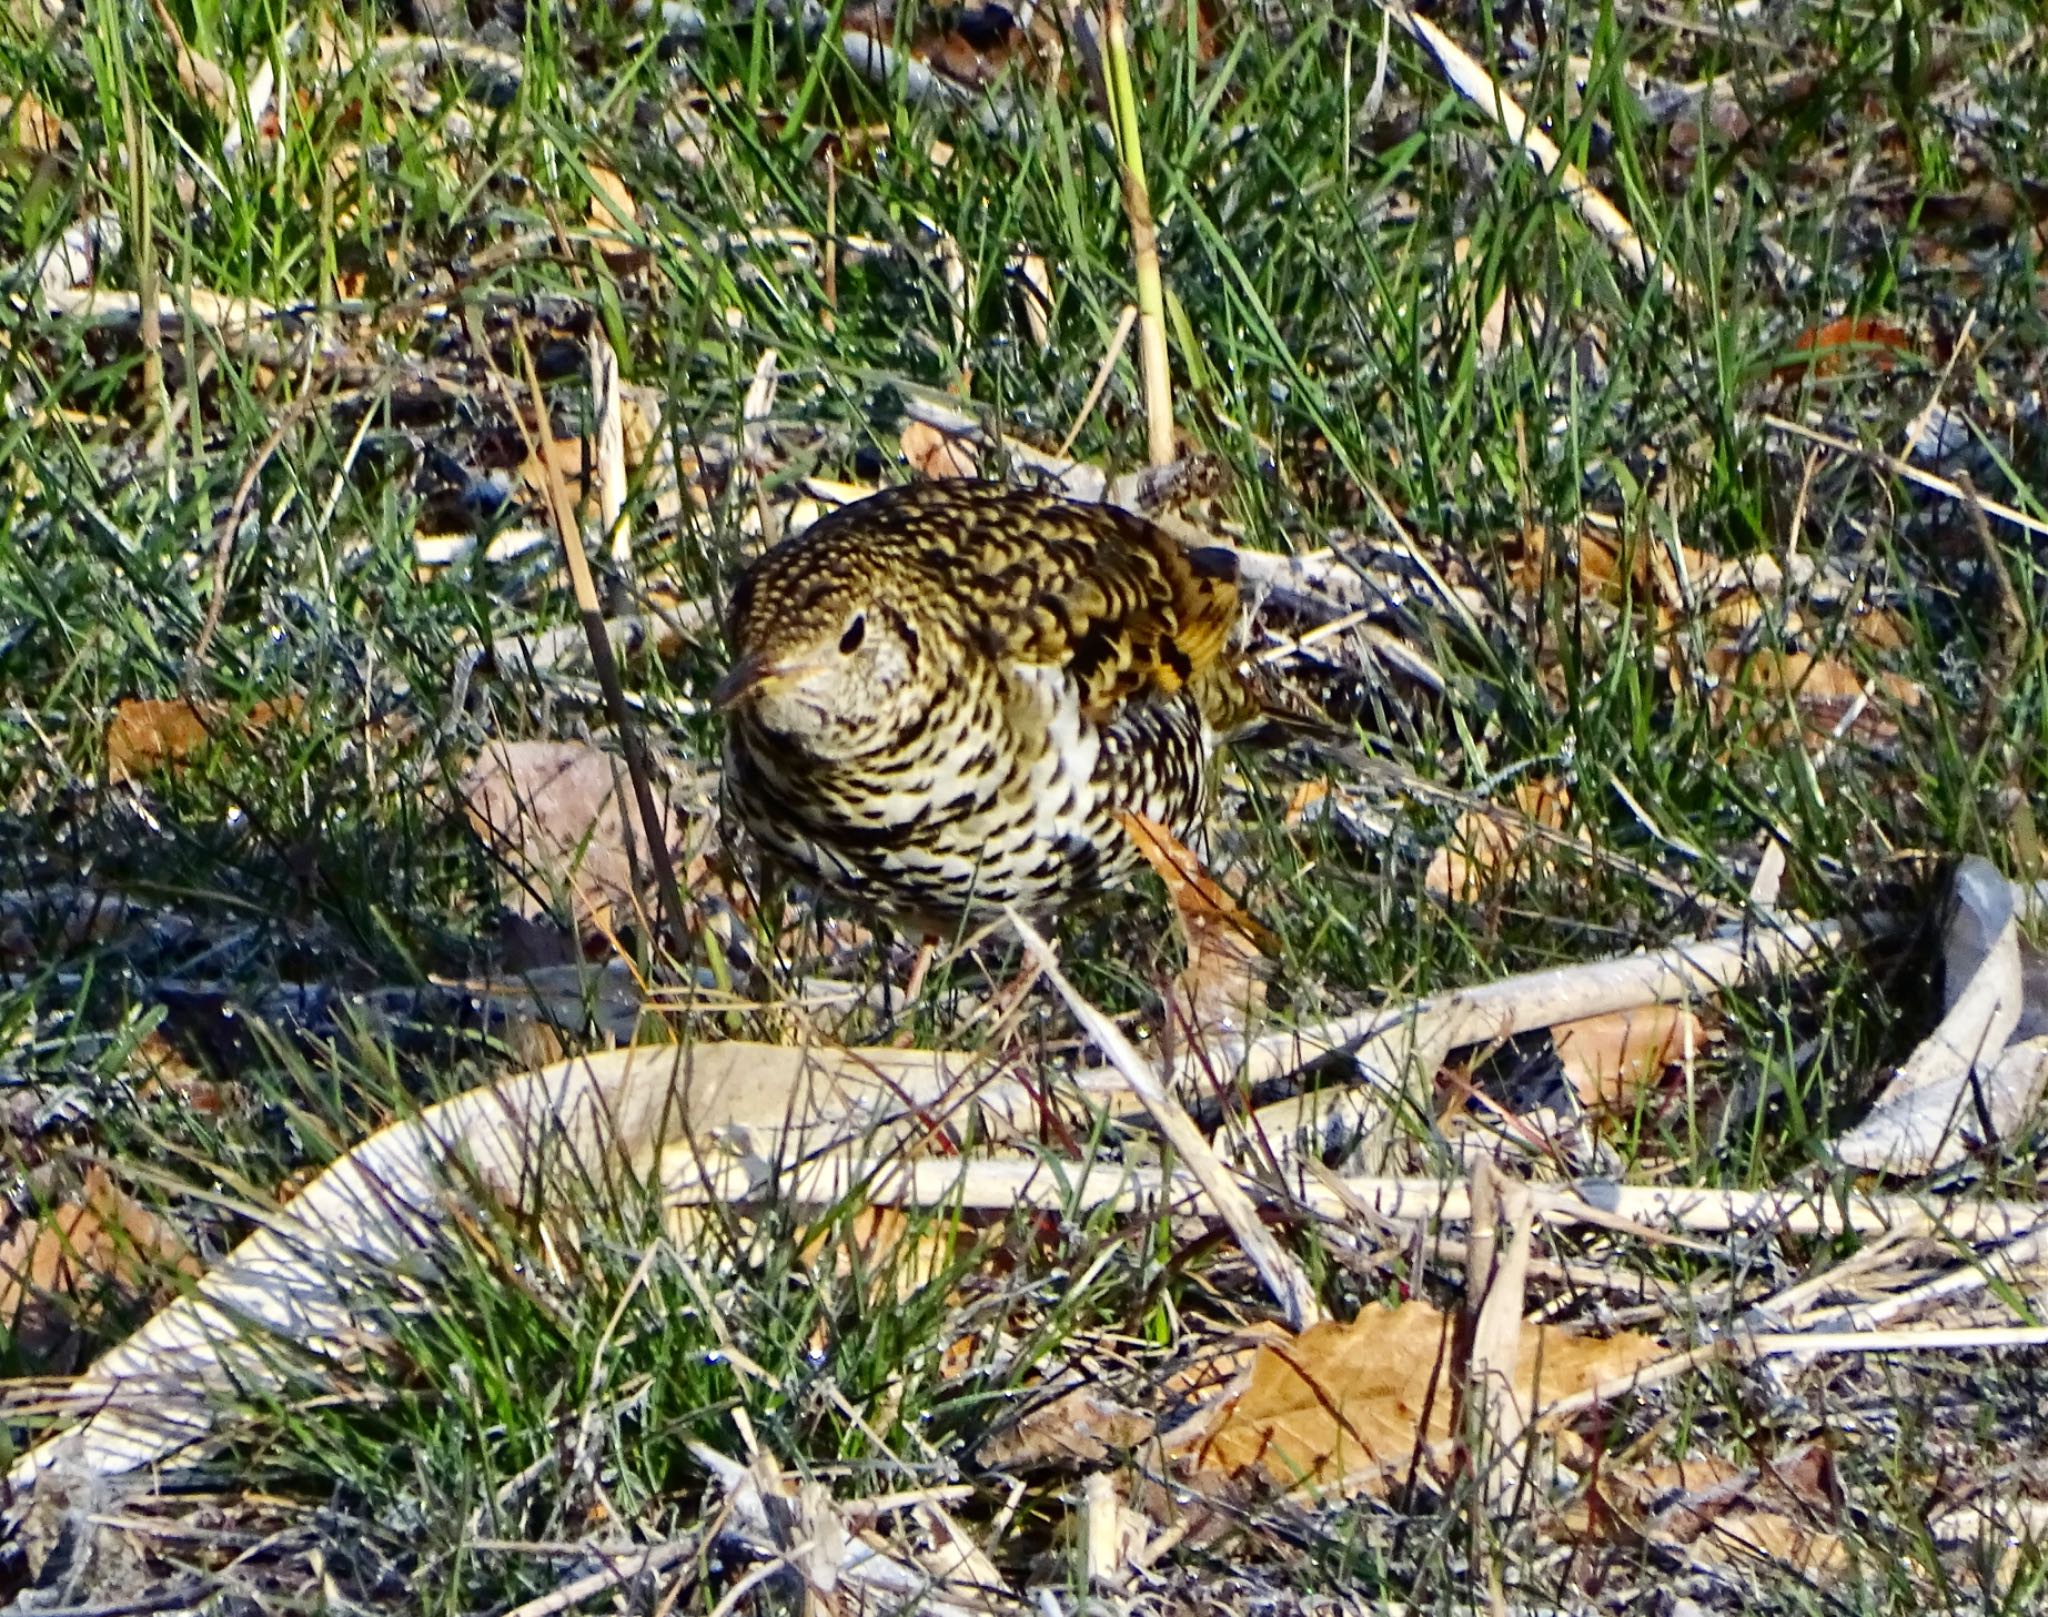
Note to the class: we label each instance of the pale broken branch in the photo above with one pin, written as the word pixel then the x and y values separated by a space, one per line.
pixel 1394 1045
pixel 1962 1088
pixel 1284 1277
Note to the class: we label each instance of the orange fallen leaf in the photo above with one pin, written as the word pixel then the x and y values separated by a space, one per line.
pixel 1825 350
pixel 612 208
pixel 934 454
pixel 1485 846
pixel 1610 1060
pixel 147 735
pixel 1223 983
pixel 1080 1427
pixel 570 457
pixel 1719 1513
pixel 1825 693
pixel 1302 799
pixel 99 1245
pixel 1350 1406
pixel 36 129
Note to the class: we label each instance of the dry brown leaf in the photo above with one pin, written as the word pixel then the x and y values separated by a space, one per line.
pixel 1222 987
pixel 612 208
pixel 98 1245
pixel 1352 1405
pixel 1828 696
pixel 1722 1514
pixel 934 454
pixel 202 78
pixel 1611 1060
pixel 36 129
pixel 1485 846
pixel 571 457
pixel 1222 1362
pixel 1828 349
pixel 560 816
pixel 1303 800
pixel 1080 1427
pixel 147 735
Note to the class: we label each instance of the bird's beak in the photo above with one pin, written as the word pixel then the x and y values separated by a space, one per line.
pixel 751 674
pixel 741 680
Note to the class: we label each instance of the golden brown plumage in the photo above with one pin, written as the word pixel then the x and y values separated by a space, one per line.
pixel 943 694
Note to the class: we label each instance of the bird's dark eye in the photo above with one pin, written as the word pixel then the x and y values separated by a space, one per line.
pixel 856 632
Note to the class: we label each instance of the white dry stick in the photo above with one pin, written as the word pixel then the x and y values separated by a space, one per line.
pixel 720 1124
pixel 1809 1344
pixel 788 1532
pixel 1283 1276
pixel 294 1294
pixel 2008 1265
pixel 1492 1418
pixel 1955 1093
pixel 1390 1045
pixel 621 1568
pixel 610 471
pixel 1908 472
pixel 101 305
pixel 1474 83
pixel 1059 1185
pixel 1102 1521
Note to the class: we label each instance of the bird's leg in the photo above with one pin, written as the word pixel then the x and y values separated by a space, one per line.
pixel 920 968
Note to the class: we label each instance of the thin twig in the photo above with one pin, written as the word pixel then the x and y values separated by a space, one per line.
pixel 604 664
pixel 1153 368
pixel 1908 471
pixel 655 1558
pixel 1284 1277
pixel 224 543
pixel 2009 634
pixel 1479 87
pixel 1103 373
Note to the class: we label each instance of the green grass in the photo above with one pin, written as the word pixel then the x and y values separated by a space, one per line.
pixel 1330 263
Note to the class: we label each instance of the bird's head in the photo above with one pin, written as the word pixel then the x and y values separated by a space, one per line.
pixel 823 661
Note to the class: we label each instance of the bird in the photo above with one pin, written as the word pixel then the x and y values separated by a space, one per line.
pixel 947 698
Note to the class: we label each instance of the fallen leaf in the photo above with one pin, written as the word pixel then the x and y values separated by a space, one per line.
pixel 1485 846
pixel 561 817
pixel 1351 1406
pixel 932 453
pixel 1722 1515
pixel 612 208
pixel 1080 1427
pixel 37 130
pixel 1826 350
pixel 1827 696
pixel 572 457
pixel 1610 1060
pixel 1303 800
pixel 97 1247
pixel 201 78
pixel 146 735
pixel 1222 986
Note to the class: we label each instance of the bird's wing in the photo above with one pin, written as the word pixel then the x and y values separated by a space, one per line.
pixel 1122 607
